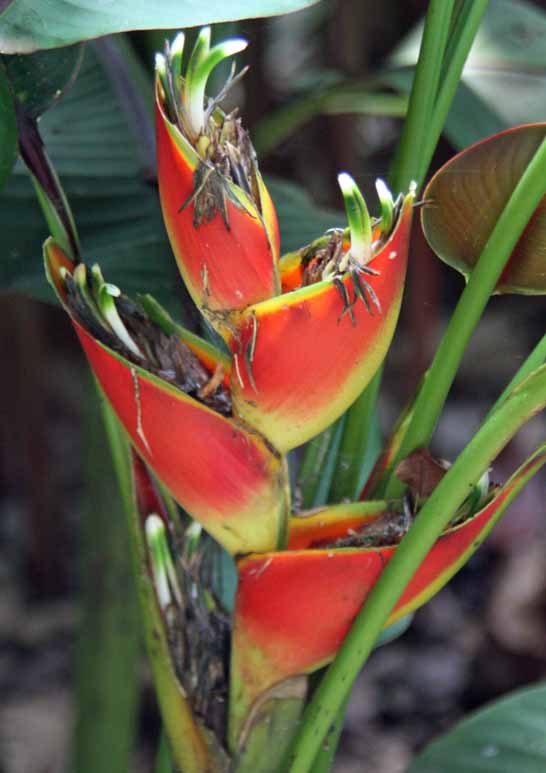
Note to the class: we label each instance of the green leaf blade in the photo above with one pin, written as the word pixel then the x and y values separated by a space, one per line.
pixel 29 25
pixel 507 736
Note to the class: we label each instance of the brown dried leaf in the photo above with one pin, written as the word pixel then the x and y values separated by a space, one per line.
pixel 421 472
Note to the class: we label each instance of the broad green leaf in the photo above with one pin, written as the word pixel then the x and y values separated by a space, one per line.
pixel 504 79
pixel 103 155
pixel 28 25
pixel 508 736
pixel 102 148
pixel 8 129
pixel 39 80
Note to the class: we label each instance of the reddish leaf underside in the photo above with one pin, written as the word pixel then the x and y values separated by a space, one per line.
pixel 466 197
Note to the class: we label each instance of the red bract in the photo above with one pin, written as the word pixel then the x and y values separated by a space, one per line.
pixel 220 471
pixel 300 359
pixel 226 243
pixel 295 608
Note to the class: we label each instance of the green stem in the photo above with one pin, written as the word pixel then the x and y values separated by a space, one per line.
pixel 318 464
pixel 415 149
pixel 448 496
pixel 466 23
pixel 407 161
pixel 429 403
pixel 408 165
pixel 354 460
pixel 325 756
pixel 463 30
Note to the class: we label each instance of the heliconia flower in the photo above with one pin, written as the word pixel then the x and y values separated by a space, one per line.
pixel 466 196
pixel 217 210
pixel 294 608
pixel 300 359
pixel 170 391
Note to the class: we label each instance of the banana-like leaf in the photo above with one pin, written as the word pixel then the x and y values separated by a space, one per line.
pixel 27 25
pixel 506 736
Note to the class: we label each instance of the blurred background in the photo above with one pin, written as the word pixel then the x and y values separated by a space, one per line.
pixel 326 92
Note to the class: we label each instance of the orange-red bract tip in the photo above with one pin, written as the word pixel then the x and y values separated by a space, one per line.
pixel 300 359
pixel 294 608
pixel 222 473
pixel 225 242
pixel 55 259
pixel 325 524
pixel 465 198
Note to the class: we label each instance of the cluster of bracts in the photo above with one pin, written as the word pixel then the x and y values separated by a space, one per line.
pixel 303 335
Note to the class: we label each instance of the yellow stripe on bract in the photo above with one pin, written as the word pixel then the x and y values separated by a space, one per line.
pixel 186 149
pixel 272 305
pixel 334 513
pixel 268 214
pixel 289 262
pixel 328 516
pixel 513 487
pixel 244 200
pixel 437 584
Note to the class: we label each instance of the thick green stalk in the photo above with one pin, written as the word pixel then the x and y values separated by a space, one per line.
pixel 325 756
pixel 317 466
pixel 528 399
pixel 408 165
pixel 429 403
pixel 407 161
pixel 354 459
pixel 109 639
pixel 467 18
pixel 446 33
